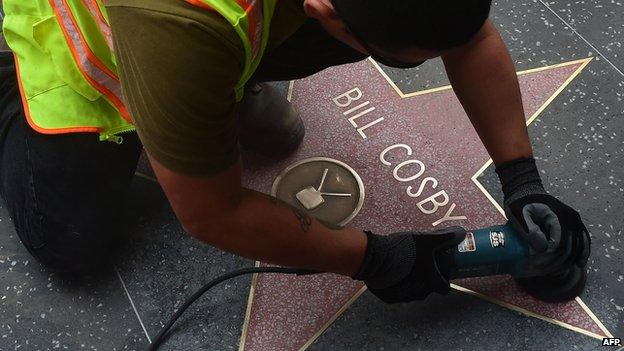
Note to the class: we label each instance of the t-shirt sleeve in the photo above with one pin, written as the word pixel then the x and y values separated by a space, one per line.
pixel 178 72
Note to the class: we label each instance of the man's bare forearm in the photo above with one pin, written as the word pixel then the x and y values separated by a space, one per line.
pixel 266 229
pixel 485 81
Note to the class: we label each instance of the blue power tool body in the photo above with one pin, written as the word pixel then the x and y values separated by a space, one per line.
pixel 491 251
pixel 499 250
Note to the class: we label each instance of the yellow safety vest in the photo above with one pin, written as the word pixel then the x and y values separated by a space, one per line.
pixel 67 70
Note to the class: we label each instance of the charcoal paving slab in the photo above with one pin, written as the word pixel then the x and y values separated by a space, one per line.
pixel 40 310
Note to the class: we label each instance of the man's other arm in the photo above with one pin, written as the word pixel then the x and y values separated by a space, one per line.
pixel 485 81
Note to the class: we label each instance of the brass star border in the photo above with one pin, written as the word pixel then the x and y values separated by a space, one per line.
pixel 583 63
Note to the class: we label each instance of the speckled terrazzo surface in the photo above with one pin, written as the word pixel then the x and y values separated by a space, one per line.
pixel 579 143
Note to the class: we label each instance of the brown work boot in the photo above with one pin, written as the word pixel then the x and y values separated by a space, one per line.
pixel 269 125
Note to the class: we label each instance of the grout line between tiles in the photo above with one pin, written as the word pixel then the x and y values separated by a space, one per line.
pixel 583 38
pixel 123 284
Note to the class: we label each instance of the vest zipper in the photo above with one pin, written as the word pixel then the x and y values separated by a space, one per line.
pixel 113 135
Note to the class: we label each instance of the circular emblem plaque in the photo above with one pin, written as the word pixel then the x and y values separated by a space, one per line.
pixel 328 189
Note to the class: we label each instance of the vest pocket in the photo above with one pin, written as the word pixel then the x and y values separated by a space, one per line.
pixel 49 37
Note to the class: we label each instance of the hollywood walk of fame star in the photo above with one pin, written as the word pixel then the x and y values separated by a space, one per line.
pixel 388 137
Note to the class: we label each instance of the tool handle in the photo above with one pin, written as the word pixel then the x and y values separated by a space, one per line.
pixel 490 251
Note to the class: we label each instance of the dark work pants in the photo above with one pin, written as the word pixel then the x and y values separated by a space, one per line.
pixel 64 192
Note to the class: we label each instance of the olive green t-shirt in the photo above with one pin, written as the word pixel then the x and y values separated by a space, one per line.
pixel 178 65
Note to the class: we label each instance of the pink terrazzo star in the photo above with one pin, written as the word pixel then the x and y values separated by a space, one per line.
pixel 426 131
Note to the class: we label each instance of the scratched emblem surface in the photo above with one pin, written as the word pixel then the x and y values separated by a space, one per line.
pixel 329 189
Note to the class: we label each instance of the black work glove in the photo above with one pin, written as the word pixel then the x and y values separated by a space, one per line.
pixel 408 266
pixel 554 231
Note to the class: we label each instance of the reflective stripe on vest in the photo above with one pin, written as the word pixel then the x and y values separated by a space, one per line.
pixel 68 73
pixel 100 76
pixel 253 8
pixel 250 19
pixel 98 16
pixel 253 26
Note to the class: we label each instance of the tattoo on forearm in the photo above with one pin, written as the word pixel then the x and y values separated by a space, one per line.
pixel 303 218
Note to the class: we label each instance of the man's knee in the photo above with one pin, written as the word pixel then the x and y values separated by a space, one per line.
pixel 65 247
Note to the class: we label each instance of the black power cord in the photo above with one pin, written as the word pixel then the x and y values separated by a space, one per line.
pixel 282 270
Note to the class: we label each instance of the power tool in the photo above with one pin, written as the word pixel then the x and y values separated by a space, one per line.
pixel 500 250
pixel 490 251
